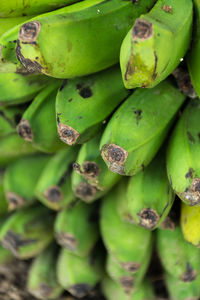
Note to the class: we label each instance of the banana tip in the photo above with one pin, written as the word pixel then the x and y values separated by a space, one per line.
pixel 127 283
pixel 67 134
pixel 142 29
pixel 14 200
pixel 67 240
pixel 29 32
pixel 25 131
pixel 131 267
pixel 53 194
pixel 85 191
pixel 148 218
pixel 80 290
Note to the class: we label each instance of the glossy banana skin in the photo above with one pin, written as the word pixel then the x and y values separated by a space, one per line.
pixel 27 232
pixel 42 282
pixel 76 230
pixel 54 186
pixel 153 47
pixel 149 113
pixel 91 179
pixel 38 123
pixel 183 166
pixel 78 26
pixel 9 119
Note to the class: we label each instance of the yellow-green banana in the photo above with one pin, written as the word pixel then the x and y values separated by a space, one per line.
pixel 183 165
pixel 84 37
pixel 137 129
pixel 153 47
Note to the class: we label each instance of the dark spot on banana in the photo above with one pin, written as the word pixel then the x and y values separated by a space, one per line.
pixel 44 290
pixel 184 82
pixel 127 283
pixel 25 131
pixel 138 114
pixel 64 83
pixel 192 193
pixel 84 92
pixel 53 194
pixel 190 173
pixel 148 218
pixel 167 8
pixel 80 290
pixel 90 169
pixel 70 100
pixel 58 118
pixel 190 137
pixel 168 224
pixel 14 200
pixel 67 134
pixel 155 66
pixel 67 240
pixel 190 274
pixel 85 191
pixel 132 267
pixel 142 30
pixel 129 69
pixel 29 32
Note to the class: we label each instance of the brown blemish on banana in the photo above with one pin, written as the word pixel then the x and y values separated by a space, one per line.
pixel 29 32
pixel 67 240
pixel 14 200
pixel 168 224
pixel 148 218
pixel 44 291
pixel 190 173
pixel 67 134
pixel 142 30
pixel 132 267
pixel 88 169
pixel 25 131
pixel 184 82
pixel 167 8
pixel 127 283
pixel 53 194
pixel 138 113
pixel 192 194
pixel 80 290
pixel 85 191
pixel 190 274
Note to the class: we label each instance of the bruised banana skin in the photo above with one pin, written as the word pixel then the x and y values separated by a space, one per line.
pixel 183 166
pixel 153 47
pixel 35 126
pixel 91 179
pixel 179 258
pixel 149 195
pixel 83 29
pixel 42 282
pixel 76 230
pixel 179 290
pixel 54 185
pixel 79 275
pixel 138 128
pixel 28 231
pixel 82 104
pixel 21 178
pixel 16 8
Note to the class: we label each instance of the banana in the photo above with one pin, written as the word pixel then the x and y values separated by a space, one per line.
pixel 138 127
pixel 54 185
pixel 28 231
pixel 149 195
pixel 128 243
pixel 85 37
pixel 84 103
pixel 156 43
pixel 16 8
pixel 38 123
pixel 178 257
pixel 13 147
pixel 76 230
pixel 190 224
pixel 179 290
pixel 3 202
pixel 91 178
pixel 42 282
pixel 8 23
pixel 183 165
pixel 79 275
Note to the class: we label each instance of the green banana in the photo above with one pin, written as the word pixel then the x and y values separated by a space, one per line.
pixel 18 88
pixel 179 290
pixel 76 230
pixel 84 103
pixel 79 275
pixel 178 257
pixel 14 8
pixel 156 43
pixel 42 282
pixel 91 178
pixel 137 129
pixel 183 165
pixel 28 231
pixel 38 123
pixel 13 147
pixel 128 243
pixel 3 202
pixel 8 23
pixel 54 185
pixel 149 195
pixel 21 178
pixel 91 33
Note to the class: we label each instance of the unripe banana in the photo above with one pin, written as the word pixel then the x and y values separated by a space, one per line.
pixel 137 129
pixel 153 47
pixel 79 275
pixel 38 123
pixel 91 179
pixel 76 230
pixel 91 33
pixel 13 8
pixel 127 242
pixel 149 195
pixel 13 147
pixel 190 224
pixel 183 166
pixel 179 290
pixel 8 23
pixel 54 186
pixel 21 178
pixel 28 231
pixel 84 103
pixel 42 282
pixel 3 202
pixel 178 257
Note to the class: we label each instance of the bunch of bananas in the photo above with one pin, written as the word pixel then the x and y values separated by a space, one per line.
pixel 134 150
